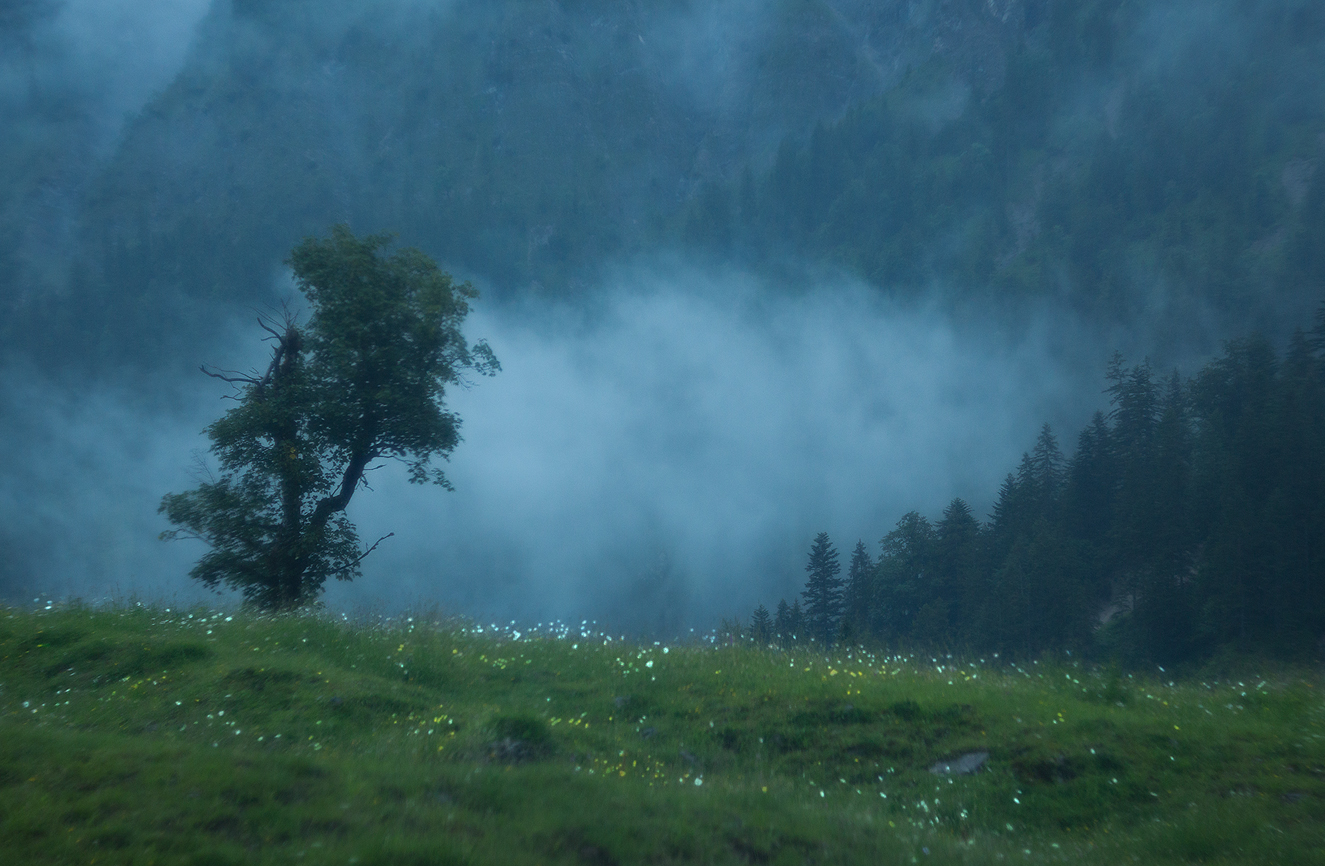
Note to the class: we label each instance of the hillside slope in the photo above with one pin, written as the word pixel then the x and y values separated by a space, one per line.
pixel 149 735
pixel 1146 164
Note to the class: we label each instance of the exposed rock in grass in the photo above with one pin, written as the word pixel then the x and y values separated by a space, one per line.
pixel 969 763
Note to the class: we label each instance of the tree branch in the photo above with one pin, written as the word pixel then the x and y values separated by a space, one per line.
pixel 349 481
pixel 268 328
pixel 364 555
pixel 237 379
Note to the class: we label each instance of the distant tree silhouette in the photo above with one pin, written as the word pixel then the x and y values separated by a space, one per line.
pixel 761 626
pixel 903 576
pixel 957 570
pixel 823 590
pixel 788 621
pixel 858 594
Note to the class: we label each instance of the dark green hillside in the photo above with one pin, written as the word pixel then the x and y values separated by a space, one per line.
pixel 138 735
pixel 524 143
pixel 1146 162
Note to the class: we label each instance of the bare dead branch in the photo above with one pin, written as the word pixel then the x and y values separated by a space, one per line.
pixel 364 555
pixel 268 328
pixel 287 319
pixel 236 378
pixel 201 472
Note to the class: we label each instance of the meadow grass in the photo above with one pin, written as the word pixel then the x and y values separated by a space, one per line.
pixel 138 734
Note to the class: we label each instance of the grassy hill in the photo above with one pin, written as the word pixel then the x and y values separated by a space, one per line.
pixel 147 735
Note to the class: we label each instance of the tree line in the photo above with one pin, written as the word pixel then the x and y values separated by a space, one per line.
pixel 1190 520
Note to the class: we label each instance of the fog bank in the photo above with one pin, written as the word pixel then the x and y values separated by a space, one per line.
pixel 655 462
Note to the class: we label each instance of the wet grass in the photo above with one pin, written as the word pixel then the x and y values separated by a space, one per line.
pixel 144 735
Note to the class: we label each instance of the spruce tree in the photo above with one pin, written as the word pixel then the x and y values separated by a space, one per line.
pixel 905 559
pixel 957 569
pixel 1036 599
pixel 787 622
pixel 1232 402
pixel 1088 500
pixel 1135 416
pixel 1008 516
pixel 859 592
pixel 761 626
pixel 823 590
pixel 1045 471
pixel 782 622
pixel 1163 619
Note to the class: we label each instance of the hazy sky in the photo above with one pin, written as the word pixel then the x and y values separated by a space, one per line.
pixel 720 435
pixel 658 460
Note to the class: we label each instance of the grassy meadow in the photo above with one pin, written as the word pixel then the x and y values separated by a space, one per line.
pixel 143 735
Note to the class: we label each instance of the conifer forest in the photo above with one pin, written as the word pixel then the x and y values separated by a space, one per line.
pixel 1187 521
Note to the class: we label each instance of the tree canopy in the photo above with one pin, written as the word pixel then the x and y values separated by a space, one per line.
pixel 364 380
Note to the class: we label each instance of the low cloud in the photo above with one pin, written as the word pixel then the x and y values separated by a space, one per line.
pixel 116 54
pixel 667 458
pixel 654 462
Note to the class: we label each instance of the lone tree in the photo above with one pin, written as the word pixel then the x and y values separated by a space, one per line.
pixel 364 380
pixel 823 590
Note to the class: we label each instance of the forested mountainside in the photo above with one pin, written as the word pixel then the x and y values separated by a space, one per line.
pixel 521 143
pixel 1146 163
pixel 1188 525
pixel 1141 161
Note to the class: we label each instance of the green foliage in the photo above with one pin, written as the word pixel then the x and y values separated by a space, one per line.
pixel 823 590
pixel 384 343
pixel 857 596
pixel 903 569
pixel 296 734
pixel 365 380
pixel 761 626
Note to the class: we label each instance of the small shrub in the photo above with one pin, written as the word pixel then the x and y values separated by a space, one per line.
pixel 519 738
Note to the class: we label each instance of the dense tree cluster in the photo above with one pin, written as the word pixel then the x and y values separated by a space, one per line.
pixel 1190 519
